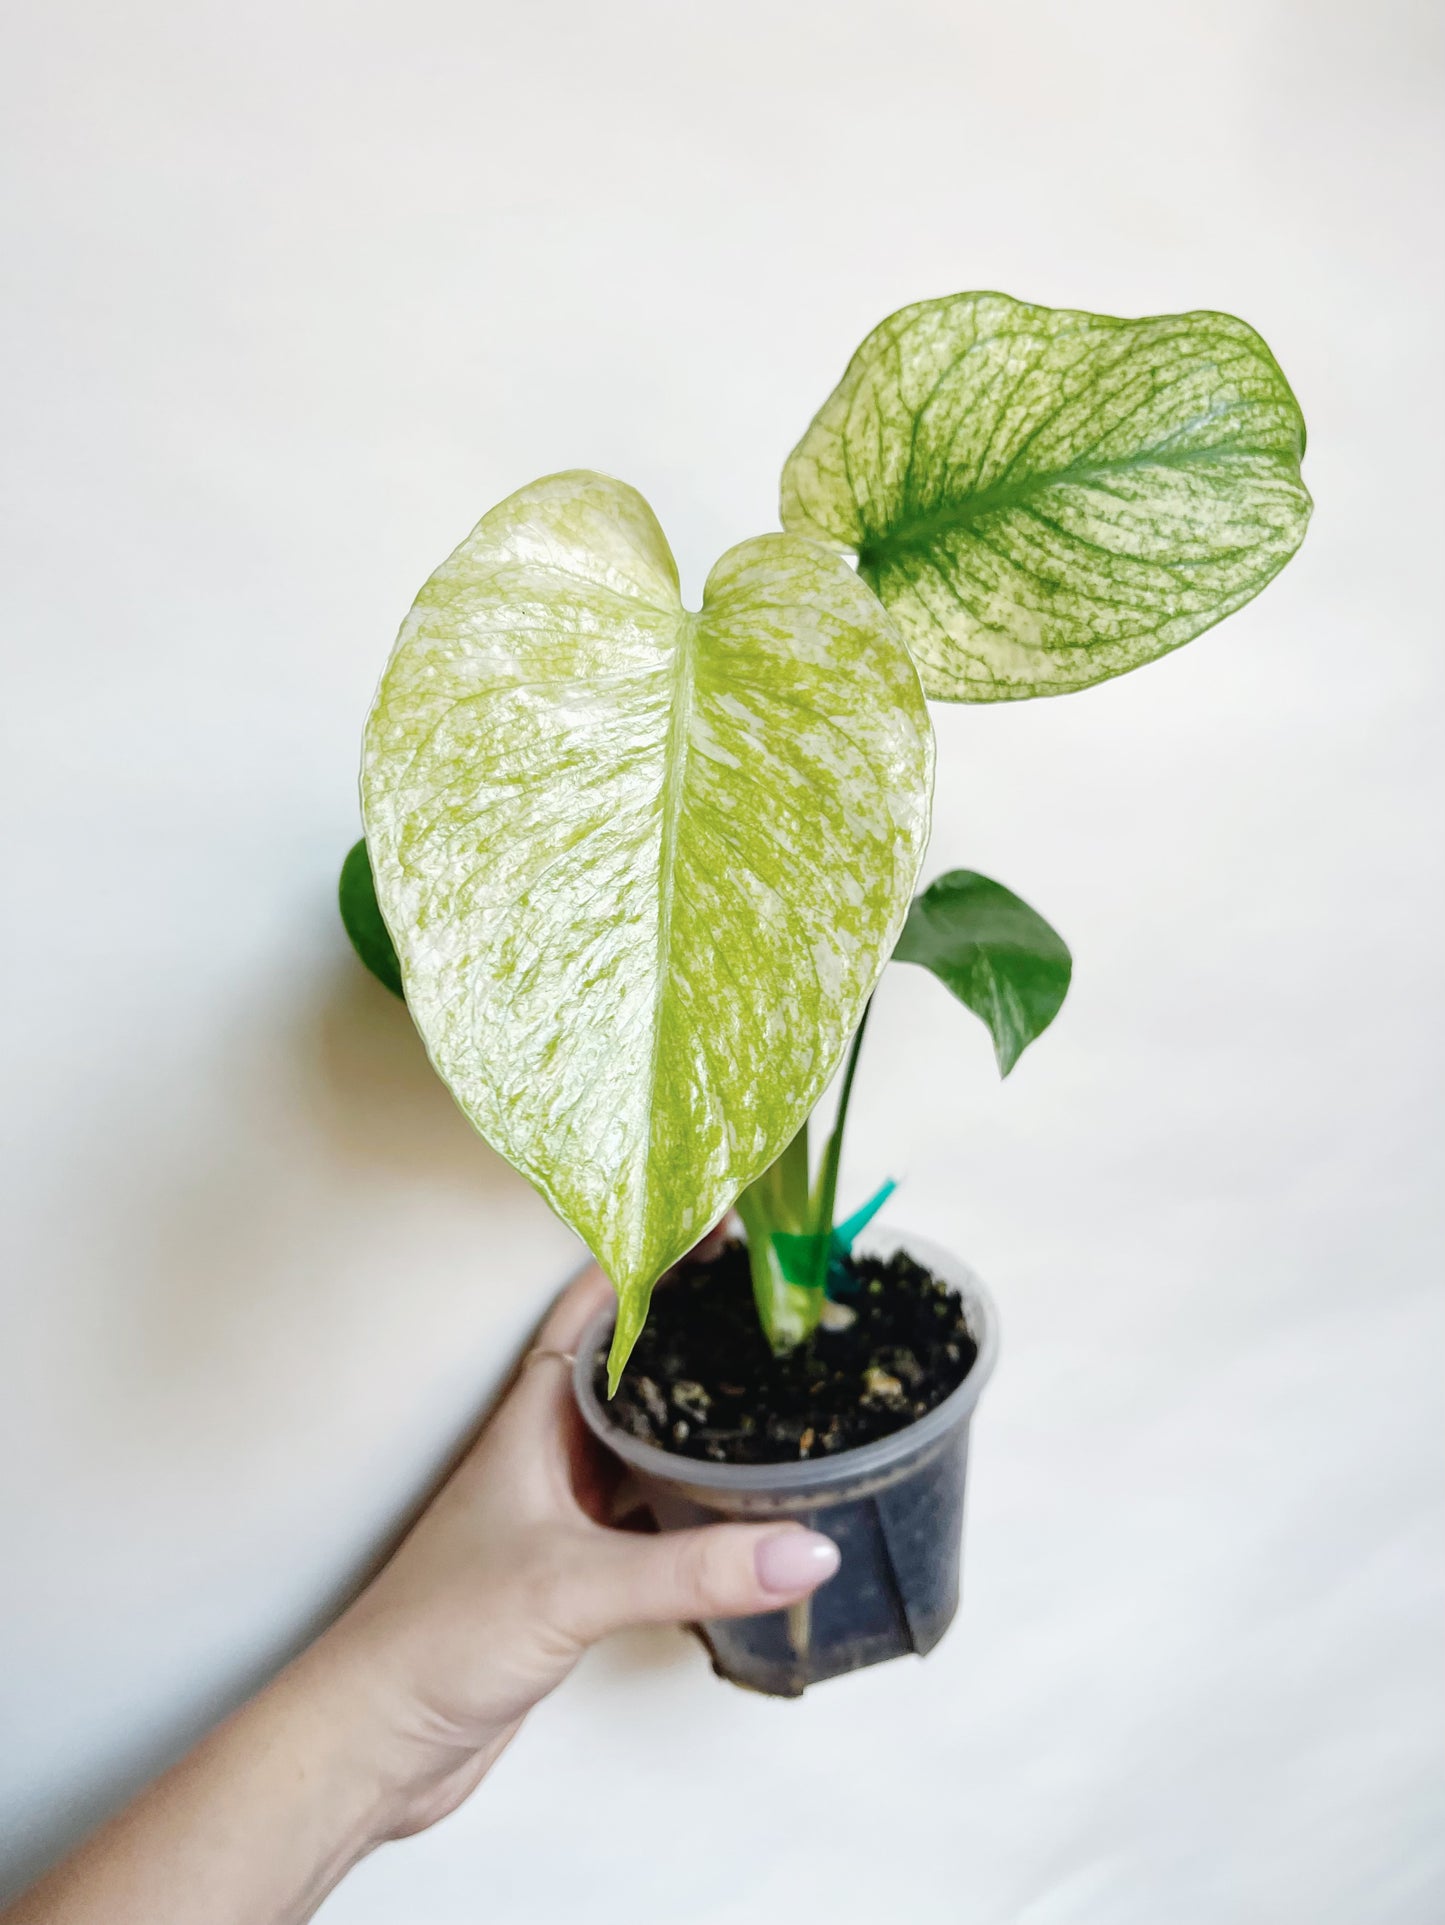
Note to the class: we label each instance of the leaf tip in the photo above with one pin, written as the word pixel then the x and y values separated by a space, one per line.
pixel 631 1315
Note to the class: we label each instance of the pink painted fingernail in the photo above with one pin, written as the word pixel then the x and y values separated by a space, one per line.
pixel 792 1562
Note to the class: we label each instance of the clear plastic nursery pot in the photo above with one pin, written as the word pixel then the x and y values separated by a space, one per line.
pixel 893 1507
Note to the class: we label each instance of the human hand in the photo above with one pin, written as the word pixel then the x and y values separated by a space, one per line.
pixel 388 1721
pixel 512 1571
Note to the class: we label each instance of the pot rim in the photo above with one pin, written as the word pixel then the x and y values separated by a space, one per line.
pixel 883 1455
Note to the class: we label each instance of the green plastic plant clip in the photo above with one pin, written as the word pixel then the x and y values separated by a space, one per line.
pixel 797 1255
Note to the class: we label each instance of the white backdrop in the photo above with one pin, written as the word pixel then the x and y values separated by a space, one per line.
pixel 296 292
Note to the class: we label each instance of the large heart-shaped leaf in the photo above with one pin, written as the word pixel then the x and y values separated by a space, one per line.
pixel 995 953
pixel 1044 499
pixel 642 867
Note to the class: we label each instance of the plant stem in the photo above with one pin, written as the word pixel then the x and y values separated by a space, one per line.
pixel 790 1177
pixel 784 1310
pixel 832 1155
pixel 779 1200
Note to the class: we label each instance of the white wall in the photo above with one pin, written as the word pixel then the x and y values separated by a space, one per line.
pixel 297 291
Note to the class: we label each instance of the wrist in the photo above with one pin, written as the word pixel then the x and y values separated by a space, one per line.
pixel 398 1768
pixel 315 1715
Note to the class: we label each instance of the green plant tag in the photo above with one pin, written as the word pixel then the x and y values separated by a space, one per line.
pixel 995 953
pixel 852 1227
pixel 1043 498
pixel 361 914
pixel 642 867
pixel 798 1255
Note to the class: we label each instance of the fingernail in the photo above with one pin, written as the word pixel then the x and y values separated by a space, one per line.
pixel 791 1562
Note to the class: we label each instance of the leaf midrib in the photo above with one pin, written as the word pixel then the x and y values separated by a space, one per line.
pixel 922 530
pixel 679 733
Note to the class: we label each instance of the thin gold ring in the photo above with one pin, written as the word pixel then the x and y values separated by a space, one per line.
pixel 568 1357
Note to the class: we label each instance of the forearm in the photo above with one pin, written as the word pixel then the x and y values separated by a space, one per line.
pixel 398 1711
pixel 254 1827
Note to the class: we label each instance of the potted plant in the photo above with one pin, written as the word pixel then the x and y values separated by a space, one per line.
pixel 637 870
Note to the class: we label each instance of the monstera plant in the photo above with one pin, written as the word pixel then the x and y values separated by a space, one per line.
pixel 637 868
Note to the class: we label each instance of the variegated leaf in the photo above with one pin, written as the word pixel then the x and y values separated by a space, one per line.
pixel 642 867
pixel 1044 499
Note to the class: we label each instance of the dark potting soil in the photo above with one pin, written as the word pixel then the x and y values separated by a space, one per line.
pixel 703 1381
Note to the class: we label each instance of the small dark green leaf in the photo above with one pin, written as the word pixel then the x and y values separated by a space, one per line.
pixel 369 935
pixel 994 953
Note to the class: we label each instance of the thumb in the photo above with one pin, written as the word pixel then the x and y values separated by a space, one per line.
pixel 718 1571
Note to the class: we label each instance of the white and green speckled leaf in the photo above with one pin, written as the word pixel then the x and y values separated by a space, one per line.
pixel 642 867
pixel 1044 499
